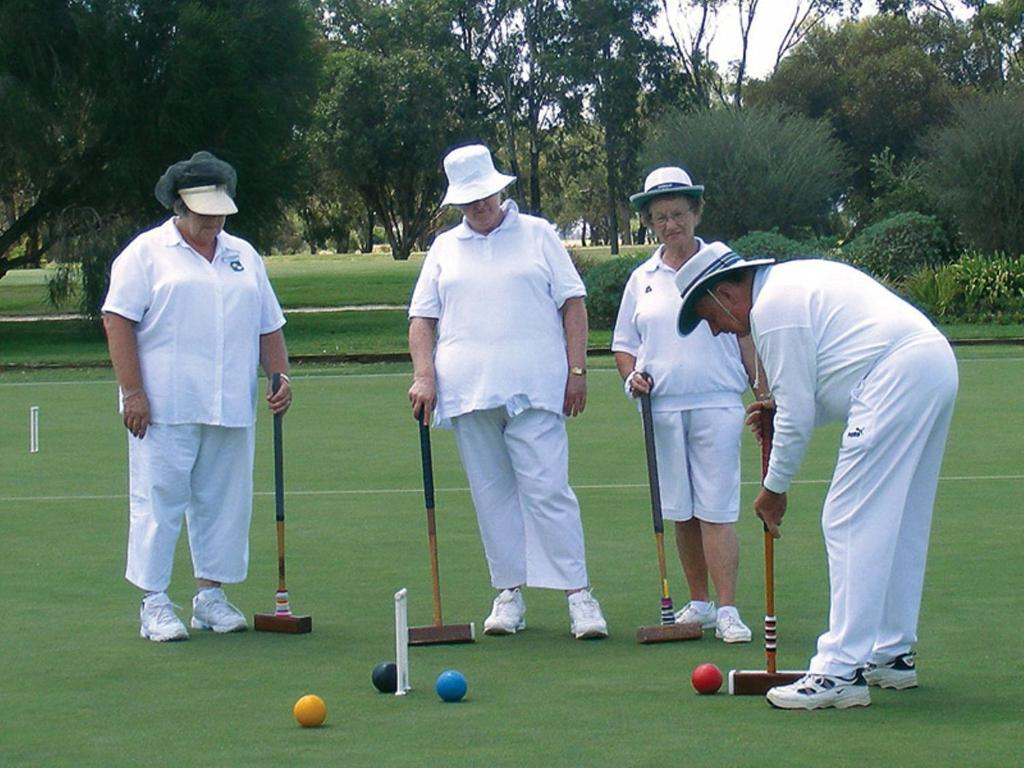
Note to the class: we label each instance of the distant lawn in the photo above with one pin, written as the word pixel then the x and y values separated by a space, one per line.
pixel 322 280
pixel 329 280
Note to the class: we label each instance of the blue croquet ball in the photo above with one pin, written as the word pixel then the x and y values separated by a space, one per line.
pixel 451 685
pixel 385 677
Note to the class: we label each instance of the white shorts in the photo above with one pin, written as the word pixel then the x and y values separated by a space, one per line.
pixel 698 455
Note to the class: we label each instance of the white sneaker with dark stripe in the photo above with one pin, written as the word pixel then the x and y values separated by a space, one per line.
pixel 898 673
pixel 820 692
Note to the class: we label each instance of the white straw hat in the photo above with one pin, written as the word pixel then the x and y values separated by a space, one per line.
pixel 471 175
pixel 208 200
pixel 709 262
pixel 668 180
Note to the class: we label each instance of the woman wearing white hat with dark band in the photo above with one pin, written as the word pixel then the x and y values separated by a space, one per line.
pixel 190 316
pixel 839 346
pixel 498 335
pixel 696 402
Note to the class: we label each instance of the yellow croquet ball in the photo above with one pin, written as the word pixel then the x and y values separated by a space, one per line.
pixel 310 711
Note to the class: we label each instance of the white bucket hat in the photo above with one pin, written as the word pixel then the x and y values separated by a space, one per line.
pixel 709 262
pixel 208 200
pixel 668 180
pixel 471 175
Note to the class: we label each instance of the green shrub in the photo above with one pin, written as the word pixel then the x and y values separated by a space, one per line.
pixel 975 289
pixel 774 244
pixel 975 169
pixel 605 282
pixel 762 167
pixel 899 246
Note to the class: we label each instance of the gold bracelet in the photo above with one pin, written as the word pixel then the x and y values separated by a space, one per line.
pixel 577 371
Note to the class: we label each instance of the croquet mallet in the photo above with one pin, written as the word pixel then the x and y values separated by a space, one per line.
pixel 668 631
pixel 439 633
pixel 744 682
pixel 282 619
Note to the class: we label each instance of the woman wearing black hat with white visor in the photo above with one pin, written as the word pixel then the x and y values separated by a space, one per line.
pixel 190 316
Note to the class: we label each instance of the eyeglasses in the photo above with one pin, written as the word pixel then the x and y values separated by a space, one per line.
pixel 676 217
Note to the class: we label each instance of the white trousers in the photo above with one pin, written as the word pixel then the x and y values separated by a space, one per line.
pixel 199 473
pixel 878 511
pixel 518 473
pixel 698 454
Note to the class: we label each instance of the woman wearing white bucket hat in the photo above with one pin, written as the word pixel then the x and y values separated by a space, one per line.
pixel 696 401
pixel 189 316
pixel 498 334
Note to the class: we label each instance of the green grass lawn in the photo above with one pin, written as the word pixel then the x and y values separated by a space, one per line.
pixel 81 689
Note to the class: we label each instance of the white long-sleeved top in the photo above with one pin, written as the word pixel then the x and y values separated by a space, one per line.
pixel 819 327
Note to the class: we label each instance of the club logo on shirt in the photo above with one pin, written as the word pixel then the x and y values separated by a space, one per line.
pixel 648 289
pixel 236 265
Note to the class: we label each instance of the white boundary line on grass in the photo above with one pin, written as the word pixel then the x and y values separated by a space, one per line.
pixel 400 491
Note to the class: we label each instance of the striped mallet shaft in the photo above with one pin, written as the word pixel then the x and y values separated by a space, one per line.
pixel 770 636
pixel 281 606
pixel 668 614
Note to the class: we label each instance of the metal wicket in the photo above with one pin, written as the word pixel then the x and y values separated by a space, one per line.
pixel 402 686
pixel 33 429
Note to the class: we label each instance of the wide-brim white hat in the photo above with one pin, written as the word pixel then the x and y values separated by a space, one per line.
pixel 472 176
pixel 710 262
pixel 208 200
pixel 668 180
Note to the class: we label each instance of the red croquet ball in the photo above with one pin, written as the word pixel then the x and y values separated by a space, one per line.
pixel 706 678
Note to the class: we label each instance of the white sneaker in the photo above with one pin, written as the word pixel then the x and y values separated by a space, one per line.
pixel 211 610
pixel 693 614
pixel 730 627
pixel 586 621
pixel 898 673
pixel 158 621
pixel 820 692
pixel 508 613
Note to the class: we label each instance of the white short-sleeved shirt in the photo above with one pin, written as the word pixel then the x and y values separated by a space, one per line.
pixel 695 371
pixel 819 328
pixel 497 301
pixel 198 324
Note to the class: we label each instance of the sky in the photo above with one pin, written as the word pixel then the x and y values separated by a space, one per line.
pixel 770 24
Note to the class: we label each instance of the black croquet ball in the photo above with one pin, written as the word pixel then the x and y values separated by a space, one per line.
pixel 385 677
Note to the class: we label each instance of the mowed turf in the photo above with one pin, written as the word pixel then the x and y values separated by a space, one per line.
pixel 79 687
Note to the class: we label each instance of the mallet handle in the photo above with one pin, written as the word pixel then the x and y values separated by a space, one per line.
pixel 427 461
pixel 275 384
pixel 667 613
pixel 770 636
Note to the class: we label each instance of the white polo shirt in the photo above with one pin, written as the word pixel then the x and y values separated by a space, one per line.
pixel 819 328
pixel 497 301
pixel 695 371
pixel 198 324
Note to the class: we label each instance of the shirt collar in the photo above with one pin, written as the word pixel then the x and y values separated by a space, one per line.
pixel 655 263
pixel 171 237
pixel 464 232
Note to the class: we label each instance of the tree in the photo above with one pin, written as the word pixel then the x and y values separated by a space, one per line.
pixel 400 93
pixel 98 98
pixel 615 74
pixel 763 169
pixel 873 82
pixel 975 169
